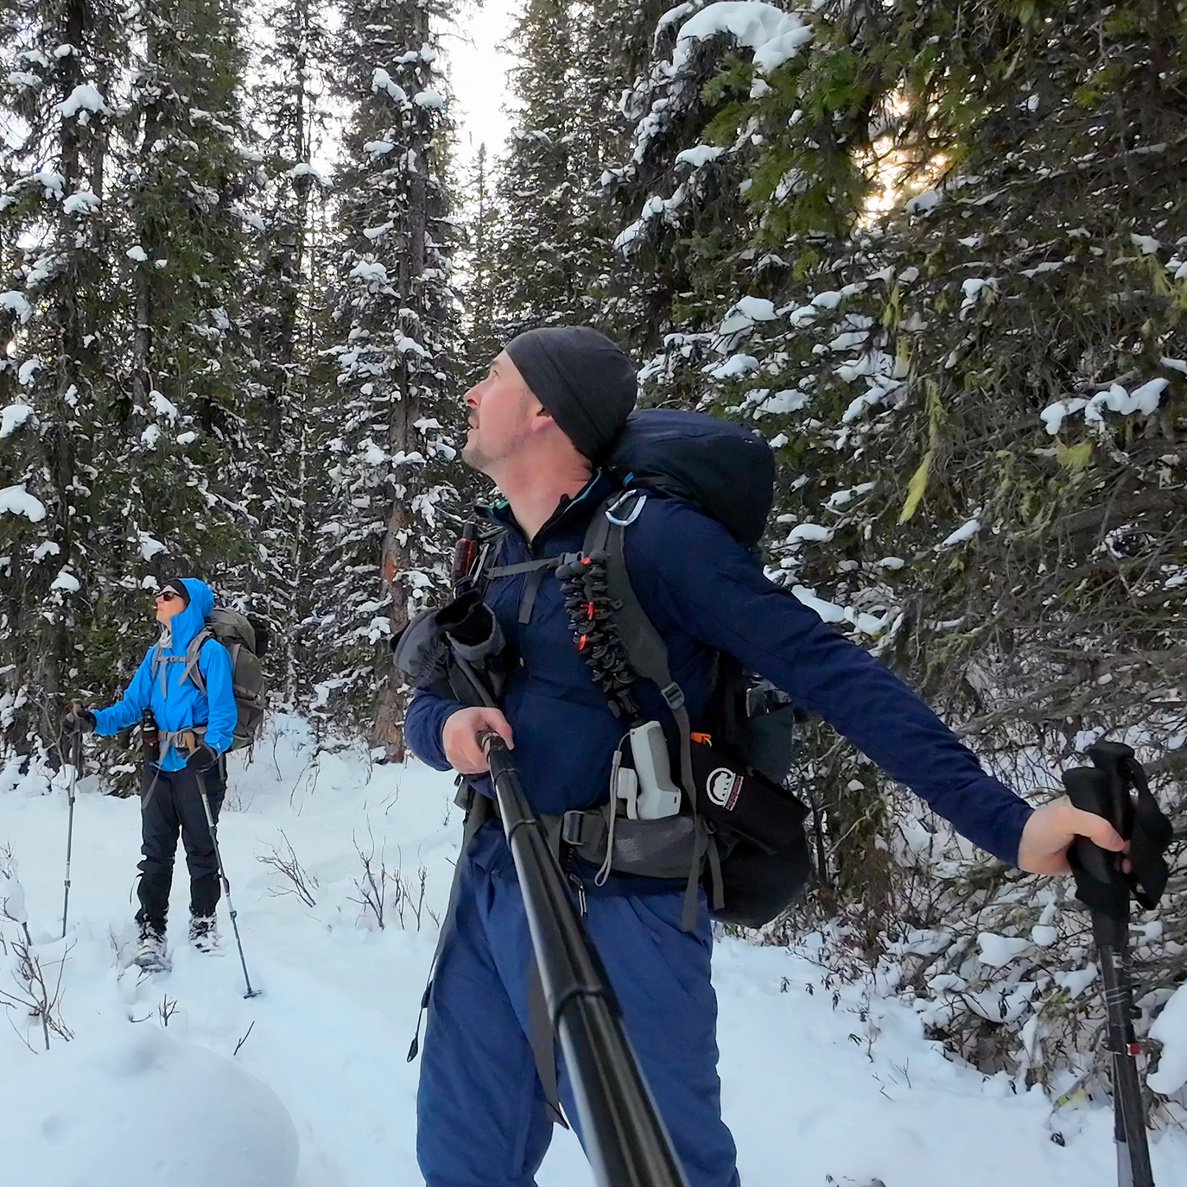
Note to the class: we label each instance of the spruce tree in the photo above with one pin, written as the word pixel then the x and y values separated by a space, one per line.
pixel 174 493
pixel 568 130
pixel 387 434
pixel 55 315
pixel 483 268
pixel 949 297
pixel 290 125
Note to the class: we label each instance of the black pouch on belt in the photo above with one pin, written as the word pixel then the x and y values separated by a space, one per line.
pixel 759 828
pixel 737 800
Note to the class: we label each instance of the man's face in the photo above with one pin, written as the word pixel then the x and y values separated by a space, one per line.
pixel 500 409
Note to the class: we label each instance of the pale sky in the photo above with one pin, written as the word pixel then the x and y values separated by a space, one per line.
pixel 477 73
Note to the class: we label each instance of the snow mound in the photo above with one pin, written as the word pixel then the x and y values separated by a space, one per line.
pixel 998 951
pixel 17 303
pixel 699 155
pixel 12 416
pixel 65 580
pixel 140 1108
pixel 84 97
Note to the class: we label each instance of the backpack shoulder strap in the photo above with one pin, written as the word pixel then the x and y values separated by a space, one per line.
pixel 645 648
pixel 535 569
pixel 648 655
pixel 192 652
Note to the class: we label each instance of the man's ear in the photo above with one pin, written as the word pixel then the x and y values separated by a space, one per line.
pixel 541 420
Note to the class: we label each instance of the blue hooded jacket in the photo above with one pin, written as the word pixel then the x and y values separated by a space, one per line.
pixel 704 592
pixel 177 704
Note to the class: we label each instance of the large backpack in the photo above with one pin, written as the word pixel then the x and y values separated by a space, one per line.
pixel 239 636
pixel 734 777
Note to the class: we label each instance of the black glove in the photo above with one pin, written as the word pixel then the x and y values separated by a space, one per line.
pixel 201 759
pixel 79 720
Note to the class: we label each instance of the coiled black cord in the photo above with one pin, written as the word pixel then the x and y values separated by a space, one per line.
pixel 590 609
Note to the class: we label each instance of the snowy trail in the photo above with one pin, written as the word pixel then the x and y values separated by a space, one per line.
pixel 811 1088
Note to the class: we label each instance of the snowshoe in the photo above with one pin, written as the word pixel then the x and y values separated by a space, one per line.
pixel 150 952
pixel 204 933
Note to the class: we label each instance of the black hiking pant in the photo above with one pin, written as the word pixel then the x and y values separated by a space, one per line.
pixel 171 804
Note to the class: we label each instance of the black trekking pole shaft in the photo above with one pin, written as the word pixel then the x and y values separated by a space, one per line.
pixel 627 1143
pixel 1129 1115
pixel 1100 881
pixel 75 762
pixel 222 873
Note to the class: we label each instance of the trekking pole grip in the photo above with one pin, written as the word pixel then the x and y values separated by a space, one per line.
pixel 1088 789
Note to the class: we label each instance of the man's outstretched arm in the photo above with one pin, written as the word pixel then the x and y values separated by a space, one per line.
pixel 704 580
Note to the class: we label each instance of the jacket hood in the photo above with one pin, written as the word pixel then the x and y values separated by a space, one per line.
pixel 188 622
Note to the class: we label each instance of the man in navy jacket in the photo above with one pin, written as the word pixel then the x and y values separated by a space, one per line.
pixel 552 403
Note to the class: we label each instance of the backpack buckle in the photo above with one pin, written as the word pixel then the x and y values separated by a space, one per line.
pixel 572 827
pixel 640 498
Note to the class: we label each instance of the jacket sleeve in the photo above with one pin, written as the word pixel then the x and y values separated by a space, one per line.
pixel 214 662
pixel 423 723
pixel 716 589
pixel 126 711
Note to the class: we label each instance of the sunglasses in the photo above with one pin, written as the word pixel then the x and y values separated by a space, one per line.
pixel 167 595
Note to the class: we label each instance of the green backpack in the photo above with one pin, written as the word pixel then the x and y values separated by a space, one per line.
pixel 236 633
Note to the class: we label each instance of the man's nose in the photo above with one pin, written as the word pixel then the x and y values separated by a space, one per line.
pixel 474 396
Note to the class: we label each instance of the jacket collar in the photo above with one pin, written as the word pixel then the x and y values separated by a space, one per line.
pixel 569 511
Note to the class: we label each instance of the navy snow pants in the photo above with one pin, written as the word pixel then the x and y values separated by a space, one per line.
pixel 481 1117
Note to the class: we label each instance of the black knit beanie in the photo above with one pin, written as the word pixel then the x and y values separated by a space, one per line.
pixel 178 587
pixel 586 384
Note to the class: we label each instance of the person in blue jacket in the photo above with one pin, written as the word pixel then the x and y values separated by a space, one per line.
pixel 170 798
pixel 552 403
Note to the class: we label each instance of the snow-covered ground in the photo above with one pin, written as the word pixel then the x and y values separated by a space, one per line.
pixel 175 1080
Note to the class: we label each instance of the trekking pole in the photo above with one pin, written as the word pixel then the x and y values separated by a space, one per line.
pixel 75 763
pixel 1116 788
pixel 222 873
pixel 627 1143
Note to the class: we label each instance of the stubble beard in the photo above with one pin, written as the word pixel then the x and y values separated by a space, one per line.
pixel 491 464
pixel 473 456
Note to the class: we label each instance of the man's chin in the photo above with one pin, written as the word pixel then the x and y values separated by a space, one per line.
pixel 473 458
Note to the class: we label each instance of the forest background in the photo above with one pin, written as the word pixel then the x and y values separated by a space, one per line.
pixel 935 252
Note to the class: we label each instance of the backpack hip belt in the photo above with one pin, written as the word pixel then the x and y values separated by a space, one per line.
pixel 185 739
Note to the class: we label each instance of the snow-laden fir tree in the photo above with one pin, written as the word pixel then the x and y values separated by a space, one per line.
pixel 55 332
pixel 387 426
pixel 290 125
pixel 175 492
pixel 125 198
pixel 550 223
pixel 481 268
pixel 955 317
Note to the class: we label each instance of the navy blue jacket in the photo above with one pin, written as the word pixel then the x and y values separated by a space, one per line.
pixel 705 592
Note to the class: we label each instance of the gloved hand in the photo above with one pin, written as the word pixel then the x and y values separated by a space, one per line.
pixel 202 758
pixel 78 720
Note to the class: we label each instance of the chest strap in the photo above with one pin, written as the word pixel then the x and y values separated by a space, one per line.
pixel 536 571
